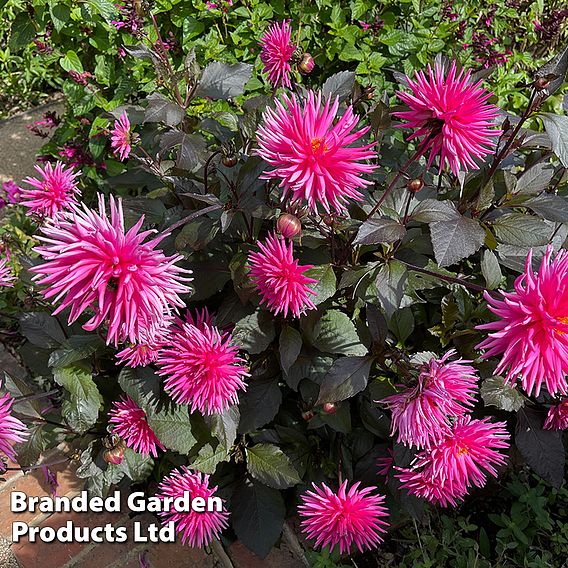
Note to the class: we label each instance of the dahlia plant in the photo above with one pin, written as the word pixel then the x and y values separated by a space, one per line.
pixel 317 302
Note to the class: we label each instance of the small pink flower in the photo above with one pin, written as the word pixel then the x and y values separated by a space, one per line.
pixel 56 191
pixel 451 115
pixel 197 529
pixel 557 418
pixel 345 518
pixel 146 350
pixel 201 368
pixel 7 278
pixel 531 334
pixel 311 152
pixel 121 140
pixel 421 414
pixel 364 25
pixel 463 459
pixel 276 52
pixel 91 263
pixel 279 278
pixel 131 424
pixel 12 191
pixel 12 430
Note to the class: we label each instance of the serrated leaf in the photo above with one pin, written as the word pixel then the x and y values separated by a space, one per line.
pixel 339 85
pixel 290 347
pixel 554 71
pixel 224 81
pixel 173 428
pixel 271 466
pixel 455 239
pixel 259 404
pixel 550 207
pixel 81 408
pixel 136 466
pixel 308 367
pixel 391 282
pixel 491 270
pixel 496 392
pixel 76 348
pixel 208 458
pixel 255 333
pixel 224 424
pixel 557 129
pixel 22 32
pixel 163 110
pixel 521 230
pixel 543 449
pixel 535 179
pixel 335 333
pixel 42 329
pixel 375 231
pixel 257 516
pixel 142 385
pixel 106 8
pixel 347 377
pixel 432 210
pixel 326 283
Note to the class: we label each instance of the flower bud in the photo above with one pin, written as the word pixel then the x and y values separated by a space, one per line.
pixel 229 161
pixel 541 83
pixel 307 64
pixel 415 185
pixel 330 408
pixel 288 225
pixel 307 415
pixel 115 455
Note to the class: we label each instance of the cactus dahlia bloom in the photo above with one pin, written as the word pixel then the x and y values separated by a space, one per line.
pixel 557 418
pixel 531 334
pixel 57 190
pixel 130 423
pixel 343 518
pixel 197 529
pixel 445 389
pixel 451 115
pixel 311 152
pixel 121 140
pixel 461 460
pixel 276 53
pixel 279 279
pixel 12 430
pixel 92 263
pixel 201 368
pixel 7 279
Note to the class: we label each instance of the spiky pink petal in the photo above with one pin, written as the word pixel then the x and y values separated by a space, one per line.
pixel 354 516
pixel 276 52
pixel 311 153
pixel 7 279
pixel 121 141
pixel 557 418
pixel 12 430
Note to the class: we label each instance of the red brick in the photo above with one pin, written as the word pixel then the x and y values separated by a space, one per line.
pixel 57 554
pixel 177 555
pixel 281 557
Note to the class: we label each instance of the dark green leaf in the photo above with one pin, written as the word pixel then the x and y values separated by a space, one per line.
pixel 521 230
pixel 224 425
pixel 160 109
pixel 375 231
pixel 455 239
pixel 432 210
pixel 136 466
pixel 535 179
pixel 326 282
pixel 22 32
pixel 173 428
pixel 255 333
pixel 271 466
pixel 550 207
pixel 491 270
pixel 224 81
pixel 259 404
pixel 142 385
pixel 335 333
pixel 339 85
pixel 257 514
pixel 557 128
pixel 347 377
pixel 495 392
pixel 290 347
pixel 42 329
pixel 391 282
pixel 208 458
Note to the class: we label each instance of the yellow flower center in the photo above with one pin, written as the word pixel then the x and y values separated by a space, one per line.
pixel 316 145
pixel 462 451
pixel 564 320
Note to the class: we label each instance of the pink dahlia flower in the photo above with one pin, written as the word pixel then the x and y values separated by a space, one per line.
pixel 146 350
pixel 344 518
pixel 7 279
pixel 276 53
pixel 531 334
pixel 57 190
pixel 12 191
pixel 311 155
pixel 202 368
pixel 130 423
pixel 197 529
pixel 279 278
pixel 445 389
pixel 451 115
pixel 462 459
pixel 557 418
pixel 12 430
pixel 93 263
pixel 120 140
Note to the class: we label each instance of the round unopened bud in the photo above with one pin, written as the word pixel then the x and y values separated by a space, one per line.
pixel 330 408
pixel 541 83
pixel 368 92
pixel 116 454
pixel 307 415
pixel 229 161
pixel 307 64
pixel 415 185
pixel 288 225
